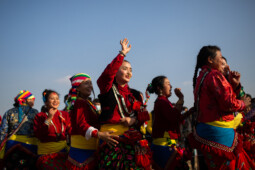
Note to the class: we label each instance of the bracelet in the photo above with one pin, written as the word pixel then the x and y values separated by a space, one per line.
pixel 47 122
pixel 122 53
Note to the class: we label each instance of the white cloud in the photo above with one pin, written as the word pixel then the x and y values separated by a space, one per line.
pixel 64 80
pixel 187 83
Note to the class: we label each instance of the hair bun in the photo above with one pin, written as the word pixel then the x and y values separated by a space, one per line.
pixel 150 88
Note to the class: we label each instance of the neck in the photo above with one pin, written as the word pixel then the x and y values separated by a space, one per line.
pixel 83 97
pixel 122 84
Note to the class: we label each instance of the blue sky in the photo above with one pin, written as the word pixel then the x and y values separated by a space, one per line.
pixel 43 43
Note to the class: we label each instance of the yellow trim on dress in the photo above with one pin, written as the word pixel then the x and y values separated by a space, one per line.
pixel 51 147
pixel 230 124
pixel 80 142
pixel 19 138
pixel 24 139
pixel 118 129
pixel 165 141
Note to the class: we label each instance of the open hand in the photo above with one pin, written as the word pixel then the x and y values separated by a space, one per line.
pixel 125 47
pixel 108 138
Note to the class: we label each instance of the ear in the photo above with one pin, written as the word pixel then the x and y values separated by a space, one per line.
pixel 210 60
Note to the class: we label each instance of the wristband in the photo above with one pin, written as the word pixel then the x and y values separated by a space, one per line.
pixel 122 53
pixel 47 122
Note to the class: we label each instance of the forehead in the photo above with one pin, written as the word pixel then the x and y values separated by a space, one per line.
pixel 126 64
pixel 53 94
pixel 166 80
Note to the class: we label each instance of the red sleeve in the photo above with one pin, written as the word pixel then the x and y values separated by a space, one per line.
pixel 67 123
pixel 106 79
pixel 41 130
pixel 224 94
pixel 81 120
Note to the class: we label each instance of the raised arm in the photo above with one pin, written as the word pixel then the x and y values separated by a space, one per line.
pixel 107 77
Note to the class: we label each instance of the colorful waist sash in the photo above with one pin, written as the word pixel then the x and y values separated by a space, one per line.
pixel 217 131
pixel 51 147
pixel 118 129
pixel 80 142
pixel 165 141
pixel 28 142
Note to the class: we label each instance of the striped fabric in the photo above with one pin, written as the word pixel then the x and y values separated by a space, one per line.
pixel 76 80
pixel 23 95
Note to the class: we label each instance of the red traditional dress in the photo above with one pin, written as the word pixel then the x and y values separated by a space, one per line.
pixel 117 102
pixel 52 147
pixel 84 119
pixel 165 134
pixel 215 135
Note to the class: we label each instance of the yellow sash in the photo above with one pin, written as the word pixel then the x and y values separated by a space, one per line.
pixel 165 141
pixel 238 120
pixel 20 138
pixel 51 147
pixel 24 139
pixel 80 142
pixel 2 152
pixel 118 129
pixel 230 124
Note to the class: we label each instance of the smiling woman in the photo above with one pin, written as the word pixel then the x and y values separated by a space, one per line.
pixel 123 113
pixel 51 127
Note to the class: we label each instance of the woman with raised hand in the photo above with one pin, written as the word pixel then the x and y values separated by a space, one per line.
pixel 122 112
pixel 85 125
pixel 215 101
pixel 51 127
pixel 166 125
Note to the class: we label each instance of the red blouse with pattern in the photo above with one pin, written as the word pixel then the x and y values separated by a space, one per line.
pixel 217 97
pixel 47 133
pixel 166 119
pixel 83 117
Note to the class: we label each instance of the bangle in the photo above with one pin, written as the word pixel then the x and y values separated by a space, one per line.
pixel 122 53
pixel 47 122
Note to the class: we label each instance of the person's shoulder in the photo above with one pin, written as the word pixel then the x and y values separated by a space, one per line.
pixel 162 100
pixel 12 110
pixel 35 111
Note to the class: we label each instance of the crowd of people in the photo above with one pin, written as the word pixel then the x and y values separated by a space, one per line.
pixel 116 131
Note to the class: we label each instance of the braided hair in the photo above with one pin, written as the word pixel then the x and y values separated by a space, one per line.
pixel 202 58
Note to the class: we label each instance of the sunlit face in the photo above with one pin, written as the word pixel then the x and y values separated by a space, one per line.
pixel 225 67
pixel 85 88
pixel 166 91
pixel 30 102
pixel 53 101
pixel 124 73
pixel 216 62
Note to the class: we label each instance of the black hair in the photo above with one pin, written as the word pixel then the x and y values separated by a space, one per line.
pixel 46 93
pixel 225 59
pixel 16 104
pixel 156 84
pixel 248 95
pixel 202 58
pixel 126 61
pixel 65 97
